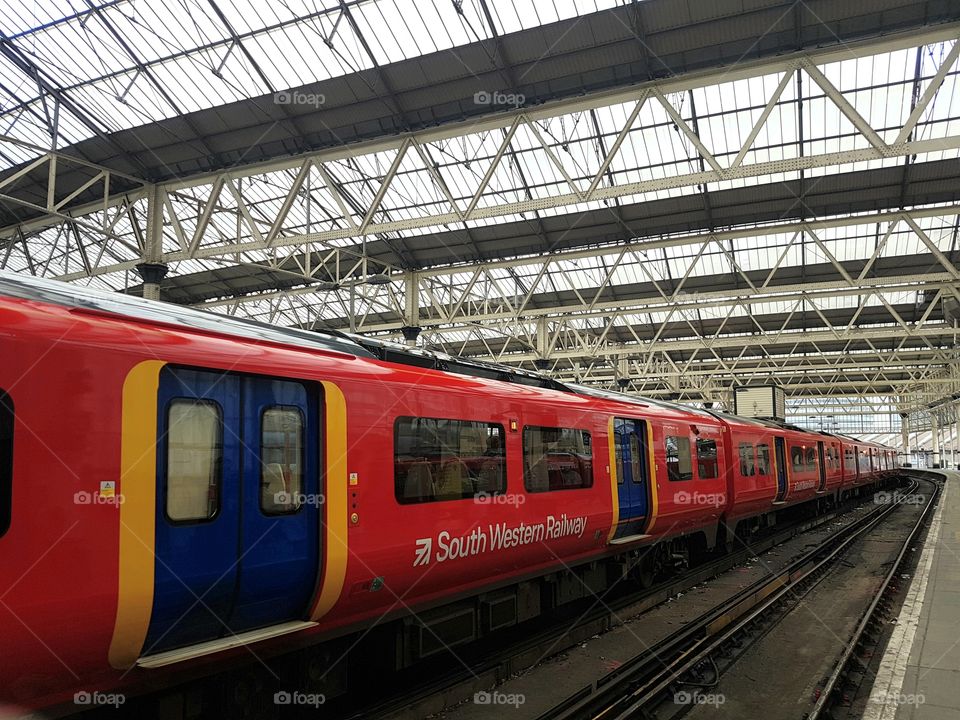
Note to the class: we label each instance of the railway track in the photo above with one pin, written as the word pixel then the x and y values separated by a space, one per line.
pixel 500 663
pixel 696 655
pixel 866 631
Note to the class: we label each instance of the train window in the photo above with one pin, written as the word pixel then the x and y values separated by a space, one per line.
pixel 747 466
pixel 194 459
pixel 679 465
pixel 796 458
pixel 281 460
pixel 707 459
pixel 636 453
pixel 618 453
pixel 810 459
pixel 556 459
pixel 6 461
pixel 763 459
pixel 438 459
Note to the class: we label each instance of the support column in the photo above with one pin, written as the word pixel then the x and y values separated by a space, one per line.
pixel 411 308
pixel 152 275
pixel 935 439
pixel 905 437
pixel 623 373
pixel 542 363
pixel 152 270
pixel 950 441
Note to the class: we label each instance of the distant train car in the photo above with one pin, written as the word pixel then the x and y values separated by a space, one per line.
pixel 177 486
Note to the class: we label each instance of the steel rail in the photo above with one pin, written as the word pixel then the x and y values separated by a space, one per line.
pixel 645 676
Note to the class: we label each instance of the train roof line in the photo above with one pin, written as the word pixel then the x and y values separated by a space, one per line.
pixel 73 297
pixel 84 298
pixel 395 352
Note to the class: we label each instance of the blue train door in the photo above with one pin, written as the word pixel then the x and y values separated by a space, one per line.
pixel 238 503
pixel 630 438
pixel 281 504
pixel 823 467
pixel 781 451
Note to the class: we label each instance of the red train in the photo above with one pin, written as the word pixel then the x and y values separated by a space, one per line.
pixel 178 489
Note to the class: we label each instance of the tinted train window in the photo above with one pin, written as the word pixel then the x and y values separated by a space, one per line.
pixel 437 459
pixel 6 461
pixel 747 466
pixel 556 459
pixel 763 459
pixel 194 459
pixel 796 458
pixel 281 460
pixel 679 465
pixel 707 459
pixel 810 458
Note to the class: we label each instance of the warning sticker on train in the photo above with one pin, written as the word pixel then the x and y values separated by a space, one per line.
pixel 500 536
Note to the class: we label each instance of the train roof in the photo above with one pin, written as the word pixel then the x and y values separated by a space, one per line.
pixel 83 298
pixel 74 297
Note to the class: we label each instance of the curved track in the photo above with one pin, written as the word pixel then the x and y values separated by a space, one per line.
pixel 695 655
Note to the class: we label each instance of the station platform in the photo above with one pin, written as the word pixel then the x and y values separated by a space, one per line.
pixel 919 674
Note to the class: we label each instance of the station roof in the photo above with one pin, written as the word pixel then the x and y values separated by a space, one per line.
pixel 683 194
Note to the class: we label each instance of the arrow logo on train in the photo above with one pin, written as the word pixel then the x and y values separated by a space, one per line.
pixel 424 546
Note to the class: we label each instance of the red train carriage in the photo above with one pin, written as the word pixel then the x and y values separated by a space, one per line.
pixel 176 485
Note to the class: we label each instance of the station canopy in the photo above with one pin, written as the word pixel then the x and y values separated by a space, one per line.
pixel 663 196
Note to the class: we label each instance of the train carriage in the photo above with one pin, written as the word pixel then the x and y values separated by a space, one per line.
pixel 187 485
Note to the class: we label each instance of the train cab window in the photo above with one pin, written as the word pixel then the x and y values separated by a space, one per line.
pixel 679 464
pixel 556 459
pixel 707 467
pixel 810 459
pixel 747 465
pixel 194 459
pixel 6 461
pixel 763 459
pixel 281 460
pixel 439 459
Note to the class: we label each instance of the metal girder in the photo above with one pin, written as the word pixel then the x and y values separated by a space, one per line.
pixel 583 187
pixel 307 221
pixel 470 304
